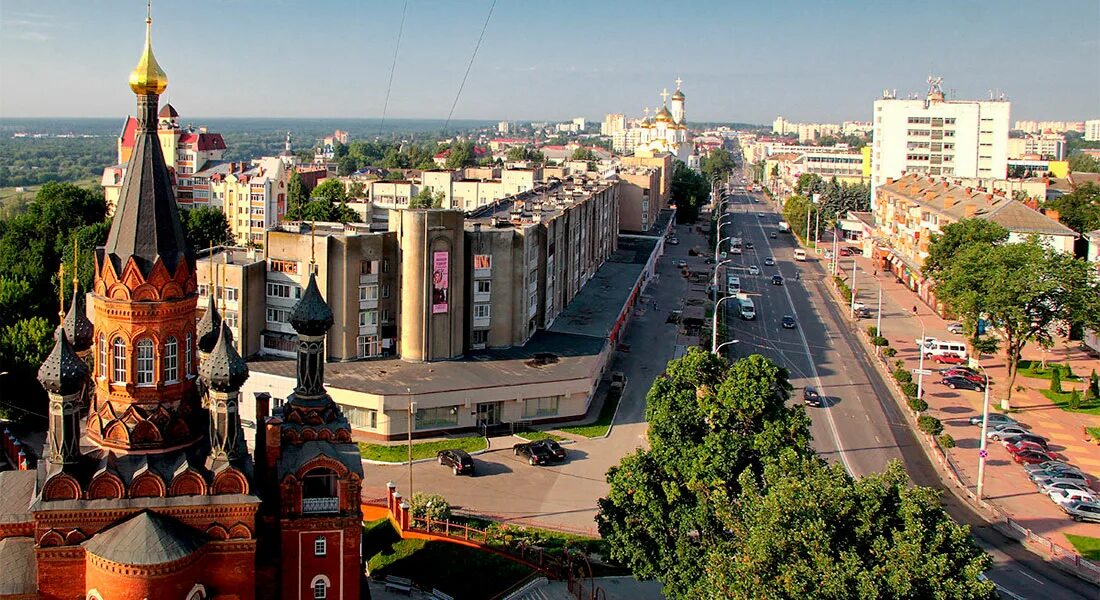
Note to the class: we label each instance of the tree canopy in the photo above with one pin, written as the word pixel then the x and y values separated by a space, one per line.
pixel 730 501
pixel 582 153
pixel 525 153
pixel 689 192
pixel 328 202
pixel 1083 163
pixel 1080 209
pixel 955 238
pixel 206 226
pixel 717 164
pixel 461 155
pixel 795 213
pixel 426 198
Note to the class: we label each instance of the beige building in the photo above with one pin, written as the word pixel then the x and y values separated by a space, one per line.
pixel 464 190
pixel 252 195
pixel 640 198
pixel 234 277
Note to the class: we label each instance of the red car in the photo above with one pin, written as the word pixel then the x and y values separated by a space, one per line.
pixel 844 252
pixel 950 359
pixel 1031 457
pixel 964 373
pixel 1023 445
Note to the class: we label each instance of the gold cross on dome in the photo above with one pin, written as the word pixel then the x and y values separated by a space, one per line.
pixel 647 112
pixel 678 82
pixel 664 96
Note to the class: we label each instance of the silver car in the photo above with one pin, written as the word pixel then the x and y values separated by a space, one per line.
pixel 1047 486
pixel 1068 476
pixel 1006 431
pixel 1082 511
pixel 995 420
pixel 1051 465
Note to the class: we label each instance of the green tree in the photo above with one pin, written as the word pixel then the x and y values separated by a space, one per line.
pixel 1056 381
pixel 23 346
pixel 717 164
pixel 1093 391
pixel 296 192
pixel 206 226
pixel 426 198
pixel 1083 163
pixel 330 190
pixel 1023 289
pixel 582 153
pixel 433 506
pixel 689 191
pixel 1080 209
pixel 795 213
pixel 945 247
pixel 462 155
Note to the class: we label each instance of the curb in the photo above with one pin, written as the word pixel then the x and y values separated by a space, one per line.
pixel 384 463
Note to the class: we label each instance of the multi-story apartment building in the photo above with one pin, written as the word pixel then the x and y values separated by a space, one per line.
pixel 1046 146
pixel 640 198
pixel 916 207
pixel 466 190
pixel 252 196
pixel 1092 130
pixel 937 137
pixel 613 123
pixel 233 278
pixel 185 152
pixel 1050 126
pixel 504 127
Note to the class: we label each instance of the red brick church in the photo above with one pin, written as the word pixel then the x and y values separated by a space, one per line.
pixel 154 495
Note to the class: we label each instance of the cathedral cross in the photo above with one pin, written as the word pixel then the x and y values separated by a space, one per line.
pixel 664 96
pixel 678 82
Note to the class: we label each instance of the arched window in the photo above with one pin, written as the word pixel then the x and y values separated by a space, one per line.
pixel 145 362
pixel 187 363
pixel 104 364
pixel 118 352
pixel 171 365
pixel 320 585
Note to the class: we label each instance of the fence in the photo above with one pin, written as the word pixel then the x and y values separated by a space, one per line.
pixel 1068 560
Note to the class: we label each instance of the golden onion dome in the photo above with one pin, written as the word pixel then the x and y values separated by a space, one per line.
pixel 147 77
pixel 664 114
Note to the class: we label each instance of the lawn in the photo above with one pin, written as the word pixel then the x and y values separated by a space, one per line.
pixel 462 572
pixel 1093 432
pixel 603 422
pixel 1034 368
pixel 1089 407
pixel 534 436
pixel 400 453
pixel 1089 547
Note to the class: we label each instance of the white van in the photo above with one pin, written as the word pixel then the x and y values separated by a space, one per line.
pixel 799 254
pixel 748 310
pixel 933 347
pixel 733 285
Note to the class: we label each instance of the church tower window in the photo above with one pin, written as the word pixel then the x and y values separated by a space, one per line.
pixel 188 364
pixel 103 363
pixel 171 364
pixel 119 351
pixel 145 362
pixel 320 588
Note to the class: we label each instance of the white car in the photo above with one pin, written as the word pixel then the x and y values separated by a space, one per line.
pixel 769 262
pixel 1067 496
pixel 754 270
pixel 1063 485
pixel 1006 431
pixel 955 328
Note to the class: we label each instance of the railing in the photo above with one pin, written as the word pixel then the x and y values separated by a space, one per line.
pixel 320 505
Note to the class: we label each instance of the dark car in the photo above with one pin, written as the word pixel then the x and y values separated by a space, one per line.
pixel 748 246
pixel 459 461
pixel 772 235
pixel 964 373
pixel 536 453
pixel 1027 437
pixel 788 322
pixel 811 397
pixel 674 241
pixel 554 448
pixel 962 383
pixel 777 280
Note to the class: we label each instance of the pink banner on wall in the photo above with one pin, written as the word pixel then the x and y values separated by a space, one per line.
pixel 440 277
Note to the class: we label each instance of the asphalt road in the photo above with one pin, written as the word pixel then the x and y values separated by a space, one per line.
pixel 860 425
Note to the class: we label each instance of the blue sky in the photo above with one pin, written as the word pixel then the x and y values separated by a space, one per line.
pixel 825 60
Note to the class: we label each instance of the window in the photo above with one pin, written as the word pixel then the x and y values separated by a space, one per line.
pixel 368 267
pixel 187 365
pixel 385 290
pixel 479 337
pixel 204 289
pixel 385 315
pixel 368 293
pixel 230 318
pixel 368 318
pixel 171 365
pixel 320 546
pixel 482 286
pixel 145 362
pixel 369 346
pixel 229 294
pixel 481 311
pixel 385 265
pixel 102 354
pixel 278 315
pixel 442 416
pixel 360 417
pixel 540 407
pixel 119 352
pixel 320 589
pixel 483 261
pixel 283 290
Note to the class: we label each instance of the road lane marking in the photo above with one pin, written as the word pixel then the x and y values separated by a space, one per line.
pixel 1030 577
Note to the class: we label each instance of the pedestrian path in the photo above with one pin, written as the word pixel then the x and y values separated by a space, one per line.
pixel 1006 484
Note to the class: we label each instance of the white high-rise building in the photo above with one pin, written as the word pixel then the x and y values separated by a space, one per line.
pixel 504 127
pixel 1092 130
pixel 939 137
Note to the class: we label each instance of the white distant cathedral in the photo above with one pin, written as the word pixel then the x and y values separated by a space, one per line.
pixel 666 131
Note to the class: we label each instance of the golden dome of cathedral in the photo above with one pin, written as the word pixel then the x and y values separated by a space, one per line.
pixel 147 77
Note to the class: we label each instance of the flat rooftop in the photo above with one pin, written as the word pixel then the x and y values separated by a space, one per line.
pixel 595 310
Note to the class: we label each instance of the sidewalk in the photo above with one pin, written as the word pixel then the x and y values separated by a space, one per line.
pixel 1006 484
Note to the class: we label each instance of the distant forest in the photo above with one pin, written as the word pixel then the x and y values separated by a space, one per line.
pixel 26 161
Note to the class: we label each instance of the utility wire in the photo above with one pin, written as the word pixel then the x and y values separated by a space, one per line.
pixel 393 67
pixel 471 64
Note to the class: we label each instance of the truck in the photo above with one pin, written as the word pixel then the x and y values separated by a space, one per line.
pixel 746 307
pixel 784 226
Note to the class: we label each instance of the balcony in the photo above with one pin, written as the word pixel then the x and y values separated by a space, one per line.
pixel 320 505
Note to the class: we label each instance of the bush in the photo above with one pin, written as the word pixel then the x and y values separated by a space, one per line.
pixel 1067 371
pixel 878 340
pixel 899 364
pixel 917 405
pixel 909 389
pixel 929 425
pixel 1056 381
pixel 1075 399
pixel 946 441
pixel 1093 392
pixel 872 331
pixel 889 352
pixel 903 376
pixel 432 506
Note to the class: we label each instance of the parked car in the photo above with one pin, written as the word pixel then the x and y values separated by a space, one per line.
pixel 681 264
pixel 1021 445
pixel 1047 488
pixel 1082 511
pixel 1042 478
pixel 777 280
pixel 963 372
pixel 554 448
pixel 772 235
pixel 811 398
pixel 459 461
pixel 1031 457
pixel 844 252
pixel 1006 431
pixel 962 383
pixel 948 359
pixel 536 454
pixel 769 262
pixel 955 328
pixel 754 270
pixel 995 419
pixel 748 246
pixel 788 322
pixel 674 241
pixel 1067 496
pixel 1028 437
pixel 1054 466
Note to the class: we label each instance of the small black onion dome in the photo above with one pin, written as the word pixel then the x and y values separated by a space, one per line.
pixel 223 370
pixel 311 316
pixel 207 329
pixel 77 327
pixel 62 372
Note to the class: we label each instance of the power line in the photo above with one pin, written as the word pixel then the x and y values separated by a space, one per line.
pixel 471 64
pixel 393 67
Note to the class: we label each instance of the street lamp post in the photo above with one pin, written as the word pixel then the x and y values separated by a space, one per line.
pixel 723 344
pixel 920 363
pixel 836 257
pixel 878 315
pixel 714 323
pixel 412 410
pixel 985 428
pixel 853 287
